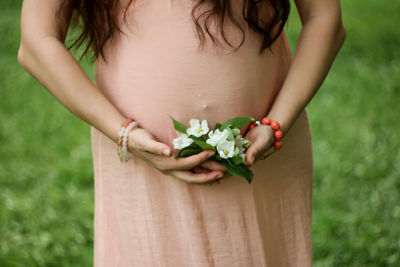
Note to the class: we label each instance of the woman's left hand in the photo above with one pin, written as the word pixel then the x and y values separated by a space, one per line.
pixel 261 141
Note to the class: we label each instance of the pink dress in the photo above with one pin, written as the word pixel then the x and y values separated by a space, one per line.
pixel 145 218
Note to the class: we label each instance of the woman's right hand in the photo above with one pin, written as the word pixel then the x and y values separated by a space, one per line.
pixel 142 144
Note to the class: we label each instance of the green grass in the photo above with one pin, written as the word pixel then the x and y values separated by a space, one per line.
pixel 46 176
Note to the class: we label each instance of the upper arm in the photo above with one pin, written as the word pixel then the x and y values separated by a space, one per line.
pixel 39 19
pixel 311 9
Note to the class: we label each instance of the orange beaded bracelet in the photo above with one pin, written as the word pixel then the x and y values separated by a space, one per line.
pixel 277 132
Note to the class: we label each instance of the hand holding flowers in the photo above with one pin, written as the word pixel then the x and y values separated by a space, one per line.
pixel 225 140
pixel 262 140
pixel 142 144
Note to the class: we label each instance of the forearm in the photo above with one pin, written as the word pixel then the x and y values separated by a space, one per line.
pixel 49 61
pixel 319 42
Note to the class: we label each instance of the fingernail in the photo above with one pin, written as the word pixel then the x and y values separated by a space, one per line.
pixel 166 151
pixel 219 176
pixel 210 154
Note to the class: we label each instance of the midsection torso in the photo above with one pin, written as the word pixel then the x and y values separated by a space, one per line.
pixel 157 69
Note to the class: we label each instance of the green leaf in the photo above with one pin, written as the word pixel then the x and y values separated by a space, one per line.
pixel 224 126
pixel 237 160
pixel 236 151
pixel 195 137
pixel 189 150
pixel 204 145
pixel 238 122
pixel 217 126
pixel 191 147
pixel 180 127
pixel 217 157
pixel 228 160
pixel 240 170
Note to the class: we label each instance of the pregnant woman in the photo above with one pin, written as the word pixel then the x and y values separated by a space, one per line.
pixel 210 60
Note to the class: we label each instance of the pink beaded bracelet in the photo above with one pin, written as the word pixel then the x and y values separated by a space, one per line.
pixel 122 143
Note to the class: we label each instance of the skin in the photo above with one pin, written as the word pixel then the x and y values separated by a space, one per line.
pixel 43 54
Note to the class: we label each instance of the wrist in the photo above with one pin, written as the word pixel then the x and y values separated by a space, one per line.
pixel 284 122
pixel 275 126
pixel 123 136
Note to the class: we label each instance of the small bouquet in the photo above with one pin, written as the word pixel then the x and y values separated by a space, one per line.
pixel 224 139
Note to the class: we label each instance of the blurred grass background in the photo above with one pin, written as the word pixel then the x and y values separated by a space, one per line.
pixel 46 176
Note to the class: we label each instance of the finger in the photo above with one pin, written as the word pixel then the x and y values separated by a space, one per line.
pixel 187 163
pixel 144 141
pixel 155 147
pixel 252 151
pixel 218 180
pixel 159 162
pixel 212 165
pixel 199 169
pixel 171 163
pixel 197 178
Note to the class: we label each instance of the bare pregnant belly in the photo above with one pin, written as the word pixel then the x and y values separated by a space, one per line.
pixel 159 71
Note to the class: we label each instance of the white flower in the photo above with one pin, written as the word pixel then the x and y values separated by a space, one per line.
pixel 196 128
pixel 215 137
pixel 182 141
pixel 226 149
pixel 240 141
pixel 241 150
pixel 236 131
